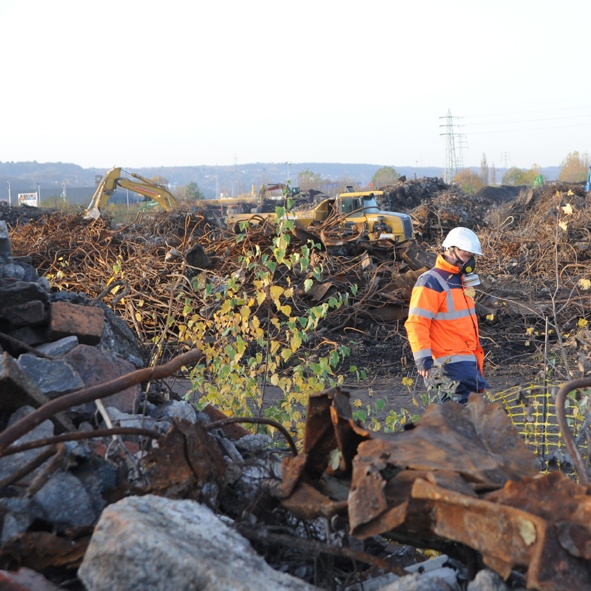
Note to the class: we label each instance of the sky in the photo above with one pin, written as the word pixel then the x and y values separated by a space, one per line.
pixel 178 83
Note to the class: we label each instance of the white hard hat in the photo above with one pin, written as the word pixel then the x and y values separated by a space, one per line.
pixel 463 238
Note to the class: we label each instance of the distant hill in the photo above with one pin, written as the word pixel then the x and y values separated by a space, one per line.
pixel 55 178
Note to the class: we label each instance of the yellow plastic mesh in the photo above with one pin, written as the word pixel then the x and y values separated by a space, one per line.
pixel 532 410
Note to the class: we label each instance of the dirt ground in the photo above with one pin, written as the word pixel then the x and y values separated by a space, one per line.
pixel 392 376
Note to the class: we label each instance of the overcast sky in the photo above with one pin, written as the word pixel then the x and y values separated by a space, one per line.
pixel 141 83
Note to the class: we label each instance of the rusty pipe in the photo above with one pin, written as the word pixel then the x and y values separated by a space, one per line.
pixel 565 429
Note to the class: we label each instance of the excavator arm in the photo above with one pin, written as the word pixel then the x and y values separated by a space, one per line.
pixel 113 179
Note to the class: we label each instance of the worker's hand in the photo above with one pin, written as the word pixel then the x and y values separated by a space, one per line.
pixel 424 373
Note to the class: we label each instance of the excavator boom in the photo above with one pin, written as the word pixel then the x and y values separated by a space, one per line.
pixel 113 179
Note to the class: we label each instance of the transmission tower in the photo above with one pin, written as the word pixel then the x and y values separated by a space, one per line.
pixel 453 148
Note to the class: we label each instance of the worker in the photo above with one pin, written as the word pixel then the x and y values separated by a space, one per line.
pixel 442 325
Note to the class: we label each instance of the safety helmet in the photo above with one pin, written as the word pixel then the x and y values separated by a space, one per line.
pixel 463 238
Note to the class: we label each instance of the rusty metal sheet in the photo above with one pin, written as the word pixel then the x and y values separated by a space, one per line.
pixel 553 496
pixel 505 536
pixel 478 441
pixel 306 502
pixel 564 556
pixel 184 462
pixel 42 550
pixel 395 495
pixel 509 537
pixel 330 432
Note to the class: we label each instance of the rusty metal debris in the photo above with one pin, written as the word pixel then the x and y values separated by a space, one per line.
pixel 91 255
pixel 461 476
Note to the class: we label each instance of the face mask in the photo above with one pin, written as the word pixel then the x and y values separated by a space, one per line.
pixel 469 266
pixel 465 267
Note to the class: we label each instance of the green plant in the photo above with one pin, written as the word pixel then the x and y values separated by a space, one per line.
pixel 258 345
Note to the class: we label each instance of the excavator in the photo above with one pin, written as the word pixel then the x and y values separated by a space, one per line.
pixel 113 179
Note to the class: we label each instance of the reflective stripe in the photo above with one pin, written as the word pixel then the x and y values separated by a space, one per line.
pixel 453 315
pixel 429 314
pixel 422 313
pixel 454 359
pixel 448 297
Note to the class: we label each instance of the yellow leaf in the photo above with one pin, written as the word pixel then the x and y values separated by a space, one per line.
pixel 568 210
pixel 530 330
pixel 584 284
pixel 357 403
pixel 274 379
pixel 288 293
pixel 138 316
pixel 260 297
pixel 286 310
pixel 276 292
pixel 296 342
pixel 582 323
pixel 563 225
pixel 275 347
pixel 490 317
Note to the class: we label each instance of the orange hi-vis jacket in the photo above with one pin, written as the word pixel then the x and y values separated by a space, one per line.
pixel 442 324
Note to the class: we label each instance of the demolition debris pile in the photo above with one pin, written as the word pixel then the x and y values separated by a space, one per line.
pixel 141 471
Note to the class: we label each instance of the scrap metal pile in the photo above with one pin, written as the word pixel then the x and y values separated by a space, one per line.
pixel 144 269
pixel 536 248
pixel 461 481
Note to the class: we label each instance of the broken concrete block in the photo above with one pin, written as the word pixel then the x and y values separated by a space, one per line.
pixel 65 502
pixel 98 367
pixel 13 293
pixel 53 377
pixel 31 313
pixel 188 546
pixel 29 335
pixel 60 347
pixel 17 390
pixel 25 579
pixel 86 322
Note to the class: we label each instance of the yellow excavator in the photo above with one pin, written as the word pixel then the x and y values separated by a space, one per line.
pixel 113 179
